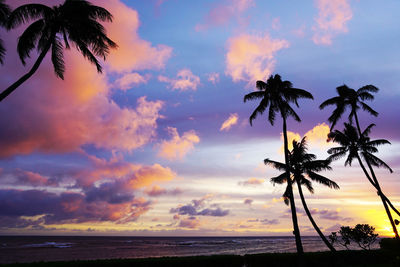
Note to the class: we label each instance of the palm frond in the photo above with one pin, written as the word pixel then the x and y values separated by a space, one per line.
pixel 322 180
pixel 57 57
pixel 275 164
pixel 368 88
pixel 369 109
pixel 27 41
pixel 259 110
pixel 376 161
pixel 280 179
pixel 253 96
pixel 27 12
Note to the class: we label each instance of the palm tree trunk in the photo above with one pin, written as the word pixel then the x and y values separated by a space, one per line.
pixel 396 234
pixel 21 80
pixel 375 183
pixel 296 230
pixel 329 245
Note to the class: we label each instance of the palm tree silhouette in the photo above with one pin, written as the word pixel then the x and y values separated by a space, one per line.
pixel 4 13
pixel 74 21
pixel 360 147
pixel 276 96
pixel 302 165
pixel 348 97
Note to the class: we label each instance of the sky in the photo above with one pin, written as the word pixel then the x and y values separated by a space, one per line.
pixel 160 143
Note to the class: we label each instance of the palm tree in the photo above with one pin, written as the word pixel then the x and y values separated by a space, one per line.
pixel 302 165
pixel 74 21
pixel 4 13
pixel 276 96
pixel 348 97
pixel 360 147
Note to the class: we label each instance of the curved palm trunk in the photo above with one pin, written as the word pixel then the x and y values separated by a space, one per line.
pixel 296 230
pixel 375 183
pixel 21 80
pixel 303 201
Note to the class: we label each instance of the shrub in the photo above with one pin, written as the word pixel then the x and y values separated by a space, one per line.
pixel 362 234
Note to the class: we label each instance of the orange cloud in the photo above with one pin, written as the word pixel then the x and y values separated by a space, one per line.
pixel 133 53
pixel 178 146
pixel 318 135
pixel 130 80
pixel 331 21
pixel 222 13
pixel 185 80
pixel 291 136
pixel 251 58
pixel 148 175
pixel 228 123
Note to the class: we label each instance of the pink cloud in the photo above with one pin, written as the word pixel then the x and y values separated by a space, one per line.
pixel 178 146
pixel 251 58
pixel 130 80
pixel 252 182
pixel 133 53
pixel 156 191
pixel 62 116
pixel 191 223
pixel 229 122
pixel 331 21
pixel 213 77
pixel 222 13
pixel 185 80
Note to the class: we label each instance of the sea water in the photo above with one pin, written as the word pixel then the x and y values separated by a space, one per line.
pixel 57 248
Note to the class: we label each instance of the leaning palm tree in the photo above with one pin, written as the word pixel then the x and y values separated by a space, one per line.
pixel 74 21
pixel 350 98
pixel 276 96
pixel 303 165
pixel 4 13
pixel 361 147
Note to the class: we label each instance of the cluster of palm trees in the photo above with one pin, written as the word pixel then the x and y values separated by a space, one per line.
pixel 74 22
pixel 300 167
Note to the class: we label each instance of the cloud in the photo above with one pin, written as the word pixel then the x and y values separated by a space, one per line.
pixel 178 146
pixel 331 21
pixel 213 77
pixel 222 13
pixel 156 191
pixel 133 53
pixel 191 223
pixel 130 80
pixel 252 182
pixel 251 57
pixel 248 201
pixel 27 178
pixel 329 215
pixel 318 135
pixel 185 80
pixel 198 208
pixel 67 207
pixel 229 122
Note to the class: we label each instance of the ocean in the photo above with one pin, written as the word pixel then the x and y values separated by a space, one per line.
pixel 56 248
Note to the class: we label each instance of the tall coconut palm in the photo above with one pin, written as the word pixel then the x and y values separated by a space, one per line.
pixel 350 98
pixel 303 165
pixel 74 21
pixel 4 13
pixel 276 96
pixel 360 147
